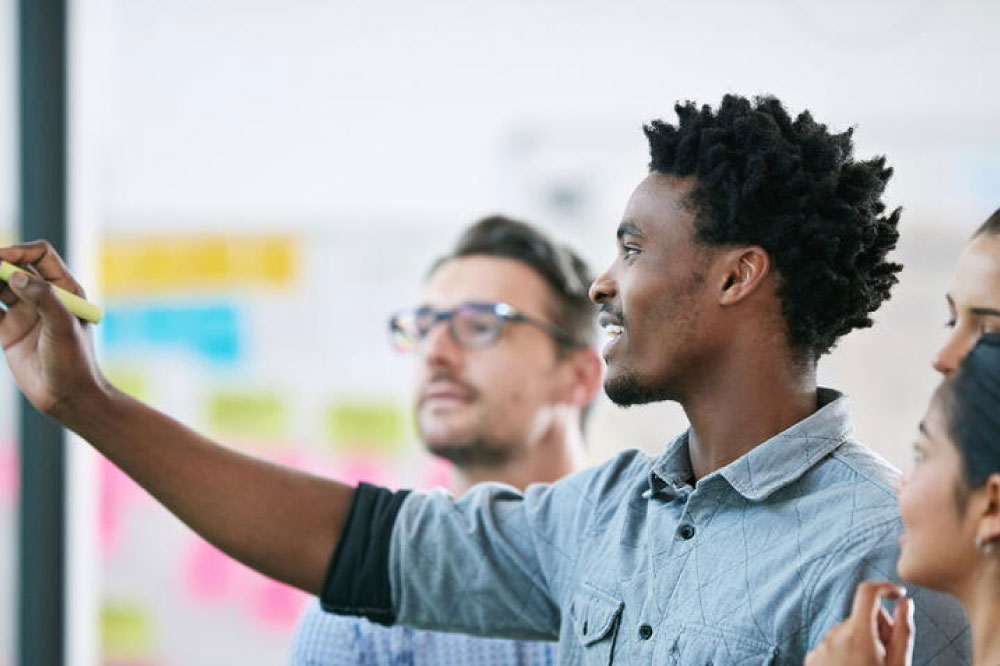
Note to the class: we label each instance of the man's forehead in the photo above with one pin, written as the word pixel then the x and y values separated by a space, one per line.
pixel 658 205
pixel 483 278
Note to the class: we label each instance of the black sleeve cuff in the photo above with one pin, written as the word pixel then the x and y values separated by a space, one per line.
pixel 357 582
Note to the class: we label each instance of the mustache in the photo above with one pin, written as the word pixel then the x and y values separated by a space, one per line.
pixel 469 391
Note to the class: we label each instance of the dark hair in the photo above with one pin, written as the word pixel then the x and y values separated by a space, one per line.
pixel 971 401
pixel 794 189
pixel 991 225
pixel 567 274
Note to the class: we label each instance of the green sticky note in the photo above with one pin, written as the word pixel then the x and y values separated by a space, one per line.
pixel 126 631
pixel 252 415
pixel 130 381
pixel 367 424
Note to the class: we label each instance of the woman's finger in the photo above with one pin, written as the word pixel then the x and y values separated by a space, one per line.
pixel 899 650
pixel 885 626
pixel 867 597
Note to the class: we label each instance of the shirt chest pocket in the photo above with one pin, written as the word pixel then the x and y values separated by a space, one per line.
pixel 596 615
pixel 699 645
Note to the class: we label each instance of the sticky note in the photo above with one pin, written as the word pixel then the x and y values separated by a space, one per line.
pixel 353 472
pixel 259 416
pixel 210 331
pixel 276 605
pixel 367 425
pixel 438 473
pixel 151 264
pixel 10 473
pixel 208 573
pixel 129 381
pixel 126 631
pixel 116 493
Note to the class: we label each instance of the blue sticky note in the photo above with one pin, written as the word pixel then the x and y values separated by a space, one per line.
pixel 210 331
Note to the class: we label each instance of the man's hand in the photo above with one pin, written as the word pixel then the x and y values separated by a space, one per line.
pixel 870 637
pixel 49 351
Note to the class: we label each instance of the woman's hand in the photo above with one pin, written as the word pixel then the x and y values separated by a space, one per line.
pixel 870 637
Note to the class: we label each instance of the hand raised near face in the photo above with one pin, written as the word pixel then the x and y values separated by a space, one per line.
pixel 49 351
pixel 869 636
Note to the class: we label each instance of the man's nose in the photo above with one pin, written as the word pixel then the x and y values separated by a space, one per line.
pixel 438 347
pixel 603 288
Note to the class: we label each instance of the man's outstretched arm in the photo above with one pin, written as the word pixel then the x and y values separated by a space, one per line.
pixel 282 522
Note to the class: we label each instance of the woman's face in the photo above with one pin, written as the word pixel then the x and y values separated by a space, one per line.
pixel 937 541
pixel 973 300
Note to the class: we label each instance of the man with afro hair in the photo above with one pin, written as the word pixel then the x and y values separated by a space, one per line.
pixel 754 244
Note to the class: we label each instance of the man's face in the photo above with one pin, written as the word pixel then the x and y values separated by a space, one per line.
pixel 487 406
pixel 653 296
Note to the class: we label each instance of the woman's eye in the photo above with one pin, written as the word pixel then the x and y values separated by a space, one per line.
pixel 629 250
pixel 950 323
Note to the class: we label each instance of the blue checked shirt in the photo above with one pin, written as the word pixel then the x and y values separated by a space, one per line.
pixel 323 639
pixel 628 563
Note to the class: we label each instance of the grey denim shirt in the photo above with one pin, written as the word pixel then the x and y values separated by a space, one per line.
pixel 627 563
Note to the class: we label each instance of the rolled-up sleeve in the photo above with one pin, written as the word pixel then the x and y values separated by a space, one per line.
pixel 357 580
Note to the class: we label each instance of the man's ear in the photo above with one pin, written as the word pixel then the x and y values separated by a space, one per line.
pixel 989 522
pixel 743 270
pixel 586 372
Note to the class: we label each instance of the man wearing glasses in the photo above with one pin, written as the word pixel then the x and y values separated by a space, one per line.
pixel 504 340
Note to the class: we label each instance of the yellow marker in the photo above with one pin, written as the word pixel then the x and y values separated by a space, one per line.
pixel 81 308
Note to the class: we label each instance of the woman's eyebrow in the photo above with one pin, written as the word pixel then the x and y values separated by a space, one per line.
pixel 985 312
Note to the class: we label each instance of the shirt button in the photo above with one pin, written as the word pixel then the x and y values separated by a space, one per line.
pixel 686 531
pixel 645 632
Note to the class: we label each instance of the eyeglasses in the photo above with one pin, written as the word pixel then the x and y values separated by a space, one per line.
pixel 471 325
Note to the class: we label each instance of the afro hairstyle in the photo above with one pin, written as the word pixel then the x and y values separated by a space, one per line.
pixel 793 188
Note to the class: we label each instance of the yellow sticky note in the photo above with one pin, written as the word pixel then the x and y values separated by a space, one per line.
pixel 150 264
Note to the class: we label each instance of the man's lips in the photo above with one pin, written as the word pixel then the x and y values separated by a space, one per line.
pixel 613 324
pixel 446 392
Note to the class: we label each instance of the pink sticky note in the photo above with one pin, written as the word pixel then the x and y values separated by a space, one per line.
pixel 438 473
pixel 10 474
pixel 208 572
pixel 355 471
pixel 276 605
pixel 116 492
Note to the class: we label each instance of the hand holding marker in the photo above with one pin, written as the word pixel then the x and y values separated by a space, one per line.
pixel 81 308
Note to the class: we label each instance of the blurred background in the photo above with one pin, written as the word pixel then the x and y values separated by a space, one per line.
pixel 254 185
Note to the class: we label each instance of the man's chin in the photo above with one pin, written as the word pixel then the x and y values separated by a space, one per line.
pixel 470 453
pixel 625 388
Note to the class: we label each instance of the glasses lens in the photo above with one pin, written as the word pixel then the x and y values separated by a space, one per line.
pixel 477 326
pixel 403 330
pixel 409 327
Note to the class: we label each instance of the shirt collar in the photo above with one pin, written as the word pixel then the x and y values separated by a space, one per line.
pixel 770 465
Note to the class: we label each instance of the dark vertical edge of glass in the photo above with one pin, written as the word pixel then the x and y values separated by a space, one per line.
pixel 42 197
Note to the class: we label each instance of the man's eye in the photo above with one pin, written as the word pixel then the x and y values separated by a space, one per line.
pixel 629 250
